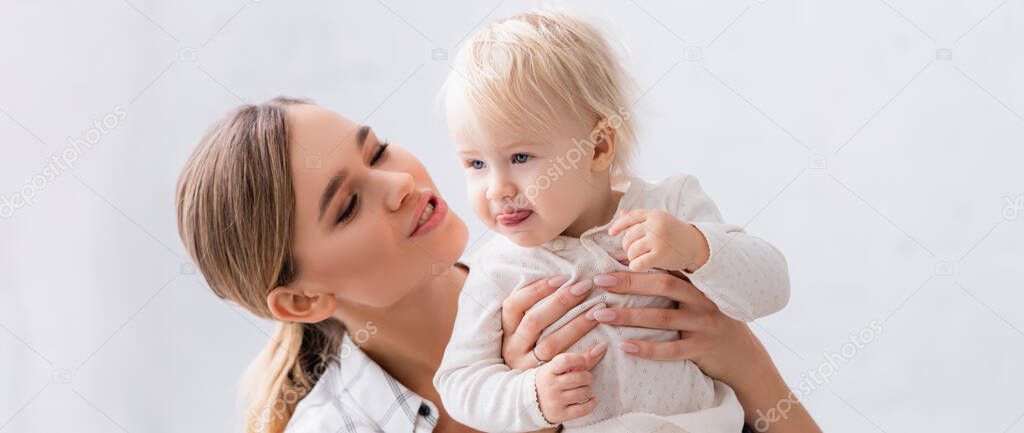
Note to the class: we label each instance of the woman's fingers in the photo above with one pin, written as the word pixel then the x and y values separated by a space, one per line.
pixel 516 304
pixel 674 350
pixel 560 340
pixel 653 284
pixel 550 310
pixel 595 355
pixel 516 350
pixel 652 318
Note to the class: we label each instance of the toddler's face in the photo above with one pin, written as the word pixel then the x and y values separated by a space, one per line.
pixel 530 189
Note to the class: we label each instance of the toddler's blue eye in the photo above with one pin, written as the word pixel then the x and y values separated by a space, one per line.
pixel 520 158
pixel 476 164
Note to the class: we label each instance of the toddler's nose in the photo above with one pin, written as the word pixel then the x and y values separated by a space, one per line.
pixel 500 190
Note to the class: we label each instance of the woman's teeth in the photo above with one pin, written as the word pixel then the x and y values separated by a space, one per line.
pixel 427 212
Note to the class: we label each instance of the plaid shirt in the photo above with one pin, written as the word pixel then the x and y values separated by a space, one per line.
pixel 357 395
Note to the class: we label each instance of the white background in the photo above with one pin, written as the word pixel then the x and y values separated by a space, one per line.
pixel 833 129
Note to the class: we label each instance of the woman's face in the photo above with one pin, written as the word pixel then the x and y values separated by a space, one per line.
pixel 369 226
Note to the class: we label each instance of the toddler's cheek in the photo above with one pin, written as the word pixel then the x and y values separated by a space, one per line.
pixel 482 212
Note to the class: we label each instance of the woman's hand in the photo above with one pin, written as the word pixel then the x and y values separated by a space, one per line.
pixel 719 345
pixel 722 347
pixel 522 330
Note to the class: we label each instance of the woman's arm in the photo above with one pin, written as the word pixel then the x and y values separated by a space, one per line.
pixel 768 403
pixel 723 348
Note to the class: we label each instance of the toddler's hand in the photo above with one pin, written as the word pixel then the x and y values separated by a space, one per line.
pixel 657 239
pixel 563 385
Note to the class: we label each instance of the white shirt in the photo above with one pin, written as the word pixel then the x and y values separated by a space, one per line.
pixel 745 276
pixel 357 395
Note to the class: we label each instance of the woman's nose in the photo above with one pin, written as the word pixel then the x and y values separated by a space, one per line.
pixel 400 187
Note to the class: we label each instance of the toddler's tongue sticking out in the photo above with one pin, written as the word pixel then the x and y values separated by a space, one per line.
pixel 514 218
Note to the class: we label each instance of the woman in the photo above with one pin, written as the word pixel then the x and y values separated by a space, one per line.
pixel 300 215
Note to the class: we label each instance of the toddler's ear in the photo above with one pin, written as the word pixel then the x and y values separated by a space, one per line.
pixel 605 145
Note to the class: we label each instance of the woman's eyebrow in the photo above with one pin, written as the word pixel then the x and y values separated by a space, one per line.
pixel 364 131
pixel 339 179
pixel 330 190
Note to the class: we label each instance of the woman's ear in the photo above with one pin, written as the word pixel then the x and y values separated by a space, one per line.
pixel 295 305
pixel 605 145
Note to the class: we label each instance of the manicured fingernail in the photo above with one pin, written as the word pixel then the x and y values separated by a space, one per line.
pixel 605 280
pixel 590 312
pixel 604 315
pixel 599 349
pixel 580 287
pixel 628 347
pixel 557 281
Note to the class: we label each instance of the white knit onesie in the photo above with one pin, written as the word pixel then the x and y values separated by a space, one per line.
pixel 745 276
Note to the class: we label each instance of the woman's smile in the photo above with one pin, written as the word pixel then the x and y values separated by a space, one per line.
pixel 431 211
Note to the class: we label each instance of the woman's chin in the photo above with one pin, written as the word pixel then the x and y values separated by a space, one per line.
pixel 451 245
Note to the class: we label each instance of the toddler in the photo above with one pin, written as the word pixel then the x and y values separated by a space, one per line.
pixel 537 106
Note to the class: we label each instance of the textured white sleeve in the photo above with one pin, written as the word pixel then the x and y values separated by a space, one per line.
pixel 744 275
pixel 476 387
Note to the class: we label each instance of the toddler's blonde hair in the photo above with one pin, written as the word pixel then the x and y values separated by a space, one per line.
pixel 517 74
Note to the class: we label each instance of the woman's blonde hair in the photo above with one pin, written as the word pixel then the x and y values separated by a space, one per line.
pixel 515 74
pixel 235 214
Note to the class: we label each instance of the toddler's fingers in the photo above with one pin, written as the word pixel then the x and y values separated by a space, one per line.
pixel 579 410
pixel 576 396
pixel 574 379
pixel 566 362
pixel 645 261
pixel 627 220
pixel 632 235
pixel 639 248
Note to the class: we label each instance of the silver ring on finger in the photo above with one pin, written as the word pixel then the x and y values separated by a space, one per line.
pixel 535 358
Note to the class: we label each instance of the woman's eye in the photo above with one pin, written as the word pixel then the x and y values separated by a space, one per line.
pixel 476 164
pixel 381 150
pixel 349 210
pixel 520 158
